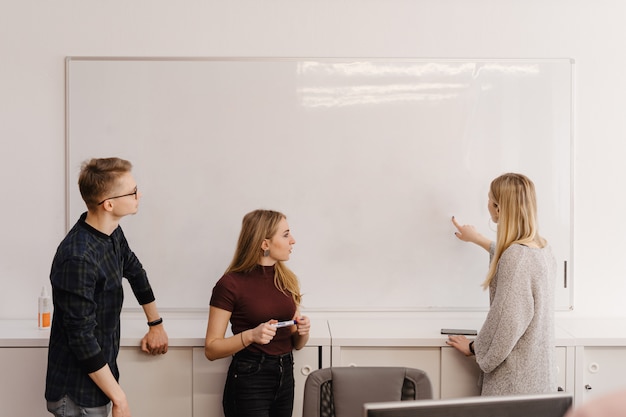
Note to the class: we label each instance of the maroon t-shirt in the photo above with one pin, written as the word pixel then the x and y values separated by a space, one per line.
pixel 252 298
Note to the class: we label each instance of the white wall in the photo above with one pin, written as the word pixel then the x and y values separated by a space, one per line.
pixel 36 36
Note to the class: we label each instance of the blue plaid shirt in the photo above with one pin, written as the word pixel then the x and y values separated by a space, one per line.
pixel 87 294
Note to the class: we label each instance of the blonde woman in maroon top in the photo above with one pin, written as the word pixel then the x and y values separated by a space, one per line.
pixel 256 293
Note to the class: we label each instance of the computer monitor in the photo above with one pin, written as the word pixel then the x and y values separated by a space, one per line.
pixel 546 405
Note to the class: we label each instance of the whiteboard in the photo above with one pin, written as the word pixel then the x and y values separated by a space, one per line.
pixel 368 158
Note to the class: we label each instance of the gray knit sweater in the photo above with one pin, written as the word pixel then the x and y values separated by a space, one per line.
pixel 515 347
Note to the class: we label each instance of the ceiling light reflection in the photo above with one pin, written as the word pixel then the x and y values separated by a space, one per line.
pixel 377 94
pixel 412 68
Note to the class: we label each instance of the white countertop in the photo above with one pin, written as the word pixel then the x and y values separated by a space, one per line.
pixel 421 330
pixel 596 331
pixel 410 332
pixel 22 333
pixel 182 332
pixel 397 331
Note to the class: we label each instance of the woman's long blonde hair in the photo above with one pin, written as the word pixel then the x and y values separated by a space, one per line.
pixel 257 226
pixel 514 196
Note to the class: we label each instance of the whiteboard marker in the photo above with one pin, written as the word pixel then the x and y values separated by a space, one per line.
pixel 285 323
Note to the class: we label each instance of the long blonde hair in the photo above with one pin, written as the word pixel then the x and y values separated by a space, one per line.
pixel 514 196
pixel 257 226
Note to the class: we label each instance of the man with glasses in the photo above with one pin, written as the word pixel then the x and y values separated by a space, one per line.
pixel 86 278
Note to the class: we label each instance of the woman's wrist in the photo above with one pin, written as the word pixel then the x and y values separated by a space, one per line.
pixel 155 322
pixel 243 340
pixel 471 348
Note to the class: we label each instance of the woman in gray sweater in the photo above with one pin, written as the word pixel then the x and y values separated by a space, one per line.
pixel 515 346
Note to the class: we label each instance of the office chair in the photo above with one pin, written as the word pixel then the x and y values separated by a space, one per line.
pixel 342 391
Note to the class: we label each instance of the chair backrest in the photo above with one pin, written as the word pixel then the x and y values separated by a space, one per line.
pixel 342 391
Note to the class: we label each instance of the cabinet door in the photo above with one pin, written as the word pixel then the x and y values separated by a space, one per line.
pixel 23 382
pixel 305 361
pixel 603 371
pixel 426 359
pixel 209 378
pixel 562 369
pixel 459 374
pixel 157 386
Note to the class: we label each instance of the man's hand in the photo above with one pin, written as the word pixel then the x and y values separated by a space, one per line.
pixel 155 342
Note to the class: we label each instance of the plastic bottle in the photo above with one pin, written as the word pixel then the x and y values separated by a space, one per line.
pixel 44 315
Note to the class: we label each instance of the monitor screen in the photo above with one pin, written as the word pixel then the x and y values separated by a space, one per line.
pixel 547 405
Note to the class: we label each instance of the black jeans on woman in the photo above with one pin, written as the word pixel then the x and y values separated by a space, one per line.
pixel 259 385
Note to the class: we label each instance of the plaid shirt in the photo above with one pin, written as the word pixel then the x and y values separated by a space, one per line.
pixel 87 294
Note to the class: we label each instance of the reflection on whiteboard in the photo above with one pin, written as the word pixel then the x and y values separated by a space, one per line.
pixel 368 158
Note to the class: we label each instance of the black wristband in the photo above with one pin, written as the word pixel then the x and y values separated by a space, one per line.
pixel 471 347
pixel 156 322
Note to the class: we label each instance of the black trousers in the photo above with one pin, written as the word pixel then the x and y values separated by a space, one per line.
pixel 259 385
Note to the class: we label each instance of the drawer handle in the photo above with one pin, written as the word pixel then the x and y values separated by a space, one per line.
pixel 588 387
pixel 306 370
pixel 594 367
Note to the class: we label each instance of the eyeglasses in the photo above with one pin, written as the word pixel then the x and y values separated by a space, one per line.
pixel 120 196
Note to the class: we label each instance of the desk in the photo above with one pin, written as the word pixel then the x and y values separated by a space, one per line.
pixel 181 383
pixel 590 352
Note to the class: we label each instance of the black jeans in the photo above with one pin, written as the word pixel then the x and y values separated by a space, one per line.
pixel 259 385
